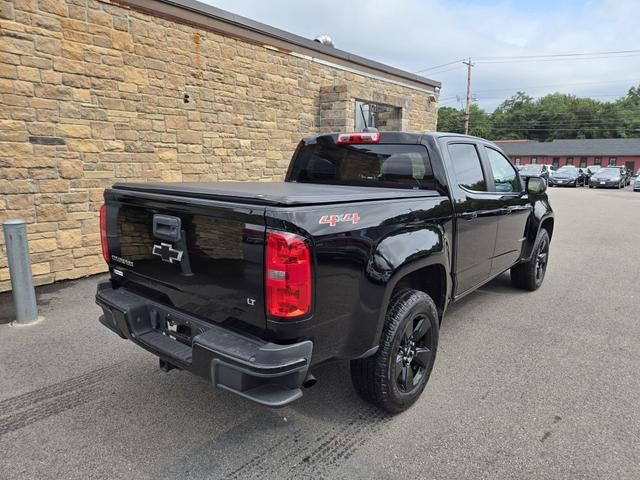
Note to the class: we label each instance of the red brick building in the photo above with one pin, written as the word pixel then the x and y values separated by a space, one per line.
pixel 581 153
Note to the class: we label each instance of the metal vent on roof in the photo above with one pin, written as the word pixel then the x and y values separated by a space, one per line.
pixel 325 40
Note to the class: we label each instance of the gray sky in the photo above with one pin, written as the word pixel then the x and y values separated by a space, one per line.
pixel 416 34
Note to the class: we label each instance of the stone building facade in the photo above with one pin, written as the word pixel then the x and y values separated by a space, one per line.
pixel 96 92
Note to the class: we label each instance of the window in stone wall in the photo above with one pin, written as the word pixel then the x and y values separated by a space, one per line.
pixel 377 115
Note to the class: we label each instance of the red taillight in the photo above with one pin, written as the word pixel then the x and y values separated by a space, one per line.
pixel 287 276
pixel 367 137
pixel 103 233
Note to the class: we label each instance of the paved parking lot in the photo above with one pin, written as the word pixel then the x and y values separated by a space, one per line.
pixel 526 385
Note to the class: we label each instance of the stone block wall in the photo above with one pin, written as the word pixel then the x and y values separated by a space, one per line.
pixel 93 93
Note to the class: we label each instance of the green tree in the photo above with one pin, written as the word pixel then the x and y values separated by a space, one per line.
pixel 515 117
pixel 480 123
pixel 450 120
pixel 556 115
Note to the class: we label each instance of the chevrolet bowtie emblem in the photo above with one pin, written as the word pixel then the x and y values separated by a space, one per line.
pixel 167 253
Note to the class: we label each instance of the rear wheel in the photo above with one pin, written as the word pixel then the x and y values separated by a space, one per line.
pixel 529 275
pixel 396 375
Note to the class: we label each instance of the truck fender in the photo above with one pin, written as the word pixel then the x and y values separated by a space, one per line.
pixel 546 221
pixel 400 254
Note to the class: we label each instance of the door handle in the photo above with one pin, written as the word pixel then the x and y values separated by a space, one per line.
pixel 469 215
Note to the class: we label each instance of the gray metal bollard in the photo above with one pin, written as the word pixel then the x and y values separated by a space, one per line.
pixel 24 295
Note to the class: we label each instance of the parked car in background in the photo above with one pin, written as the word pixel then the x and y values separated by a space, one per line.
pixel 636 185
pixel 567 176
pixel 609 177
pixel 534 170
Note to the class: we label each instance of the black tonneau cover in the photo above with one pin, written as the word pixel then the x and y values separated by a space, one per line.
pixel 275 193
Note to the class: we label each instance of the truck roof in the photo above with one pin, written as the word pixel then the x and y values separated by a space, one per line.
pixel 274 193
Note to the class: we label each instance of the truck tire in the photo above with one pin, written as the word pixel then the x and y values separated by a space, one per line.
pixel 396 375
pixel 529 275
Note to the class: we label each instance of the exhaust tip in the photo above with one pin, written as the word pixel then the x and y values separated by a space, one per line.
pixel 309 381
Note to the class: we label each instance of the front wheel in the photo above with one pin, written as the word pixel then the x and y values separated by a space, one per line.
pixel 529 275
pixel 396 375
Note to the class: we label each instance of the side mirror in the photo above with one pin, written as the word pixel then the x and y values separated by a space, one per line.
pixel 536 185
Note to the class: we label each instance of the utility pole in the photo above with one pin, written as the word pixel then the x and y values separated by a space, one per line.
pixel 468 104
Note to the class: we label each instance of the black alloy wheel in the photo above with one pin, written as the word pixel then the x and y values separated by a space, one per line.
pixel 414 354
pixel 530 274
pixel 395 376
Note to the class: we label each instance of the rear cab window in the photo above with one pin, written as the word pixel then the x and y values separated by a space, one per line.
pixel 366 165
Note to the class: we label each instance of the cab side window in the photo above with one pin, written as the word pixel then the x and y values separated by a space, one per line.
pixel 504 175
pixel 467 166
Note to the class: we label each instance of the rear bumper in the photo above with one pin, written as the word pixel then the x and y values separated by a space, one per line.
pixel 264 372
pixel 606 184
pixel 563 183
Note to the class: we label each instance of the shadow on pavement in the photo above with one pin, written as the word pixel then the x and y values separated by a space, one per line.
pixel 44 295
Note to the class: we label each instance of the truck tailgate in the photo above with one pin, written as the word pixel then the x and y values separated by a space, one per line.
pixel 202 257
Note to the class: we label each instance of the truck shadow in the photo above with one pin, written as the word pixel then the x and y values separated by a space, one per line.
pixel 308 439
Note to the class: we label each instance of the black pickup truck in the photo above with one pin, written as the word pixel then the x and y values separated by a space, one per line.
pixel 356 256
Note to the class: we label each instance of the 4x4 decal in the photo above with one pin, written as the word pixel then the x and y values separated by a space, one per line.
pixel 333 220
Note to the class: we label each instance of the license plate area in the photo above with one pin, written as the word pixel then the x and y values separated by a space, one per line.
pixel 175 326
pixel 178 330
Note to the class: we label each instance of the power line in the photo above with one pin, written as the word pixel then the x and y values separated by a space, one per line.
pixel 587 96
pixel 542 57
pixel 535 123
pixel 551 85
pixel 456 98
pixel 445 70
pixel 558 55
pixel 438 66
pixel 615 115
pixel 550 128
pixel 564 121
pixel 559 125
pixel 543 60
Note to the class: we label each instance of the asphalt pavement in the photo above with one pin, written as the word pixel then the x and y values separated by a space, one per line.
pixel 526 385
